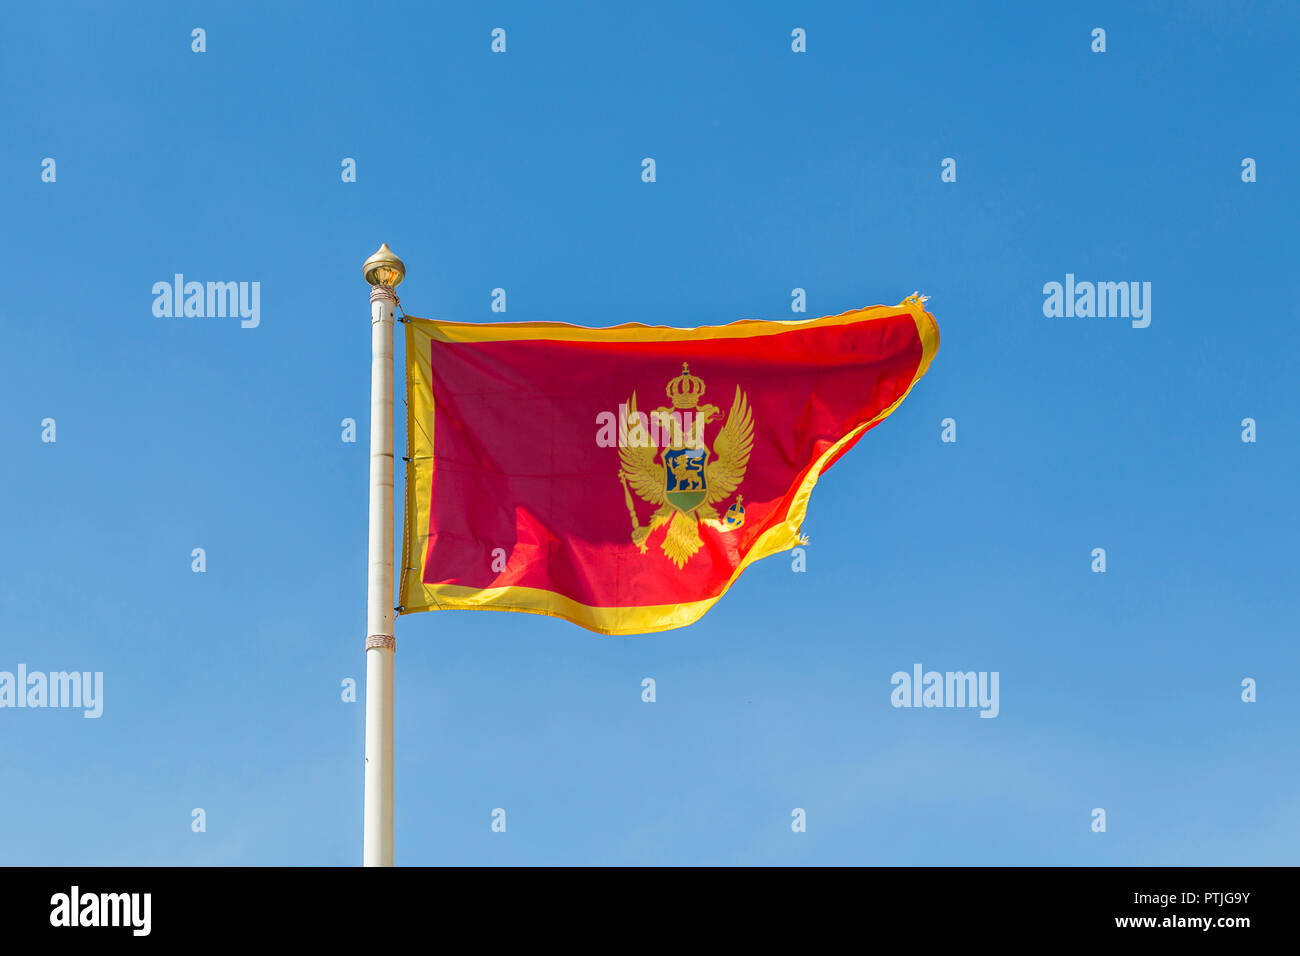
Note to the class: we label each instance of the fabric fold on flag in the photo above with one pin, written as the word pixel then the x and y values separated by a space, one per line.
pixel 622 478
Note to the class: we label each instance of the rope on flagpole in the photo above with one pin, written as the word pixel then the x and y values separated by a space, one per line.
pixel 385 292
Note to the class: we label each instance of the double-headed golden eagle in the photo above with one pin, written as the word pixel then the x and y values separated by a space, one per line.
pixel 644 469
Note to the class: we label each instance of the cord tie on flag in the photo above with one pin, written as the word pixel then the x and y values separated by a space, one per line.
pixel 381 640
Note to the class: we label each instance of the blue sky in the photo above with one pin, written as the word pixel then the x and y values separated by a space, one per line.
pixel 775 170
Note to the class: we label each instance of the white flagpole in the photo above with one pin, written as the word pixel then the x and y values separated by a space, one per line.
pixel 384 271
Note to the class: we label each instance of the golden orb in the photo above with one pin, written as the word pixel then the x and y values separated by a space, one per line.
pixel 384 268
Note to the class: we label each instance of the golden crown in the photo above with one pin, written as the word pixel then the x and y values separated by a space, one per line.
pixel 686 389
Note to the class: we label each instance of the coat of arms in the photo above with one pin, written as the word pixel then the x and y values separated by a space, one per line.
pixel 665 460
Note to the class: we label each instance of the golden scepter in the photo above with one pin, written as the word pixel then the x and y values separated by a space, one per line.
pixel 631 509
pixel 639 534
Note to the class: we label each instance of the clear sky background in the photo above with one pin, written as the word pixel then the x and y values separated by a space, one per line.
pixel 775 170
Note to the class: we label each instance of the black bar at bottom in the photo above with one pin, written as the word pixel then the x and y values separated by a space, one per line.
pixel 660 907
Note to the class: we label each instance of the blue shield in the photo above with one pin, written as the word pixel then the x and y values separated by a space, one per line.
pixel 684 481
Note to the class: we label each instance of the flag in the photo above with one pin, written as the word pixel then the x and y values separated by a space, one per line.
pixel 622 478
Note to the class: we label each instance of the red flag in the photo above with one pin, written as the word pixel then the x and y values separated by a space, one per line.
pixel 622 478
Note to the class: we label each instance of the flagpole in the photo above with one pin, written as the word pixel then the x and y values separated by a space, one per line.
pixel 384 271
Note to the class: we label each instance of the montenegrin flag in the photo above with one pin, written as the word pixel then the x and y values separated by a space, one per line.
pixel 622 478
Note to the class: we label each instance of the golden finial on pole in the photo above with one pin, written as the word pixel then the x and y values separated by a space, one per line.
pixel 384 268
